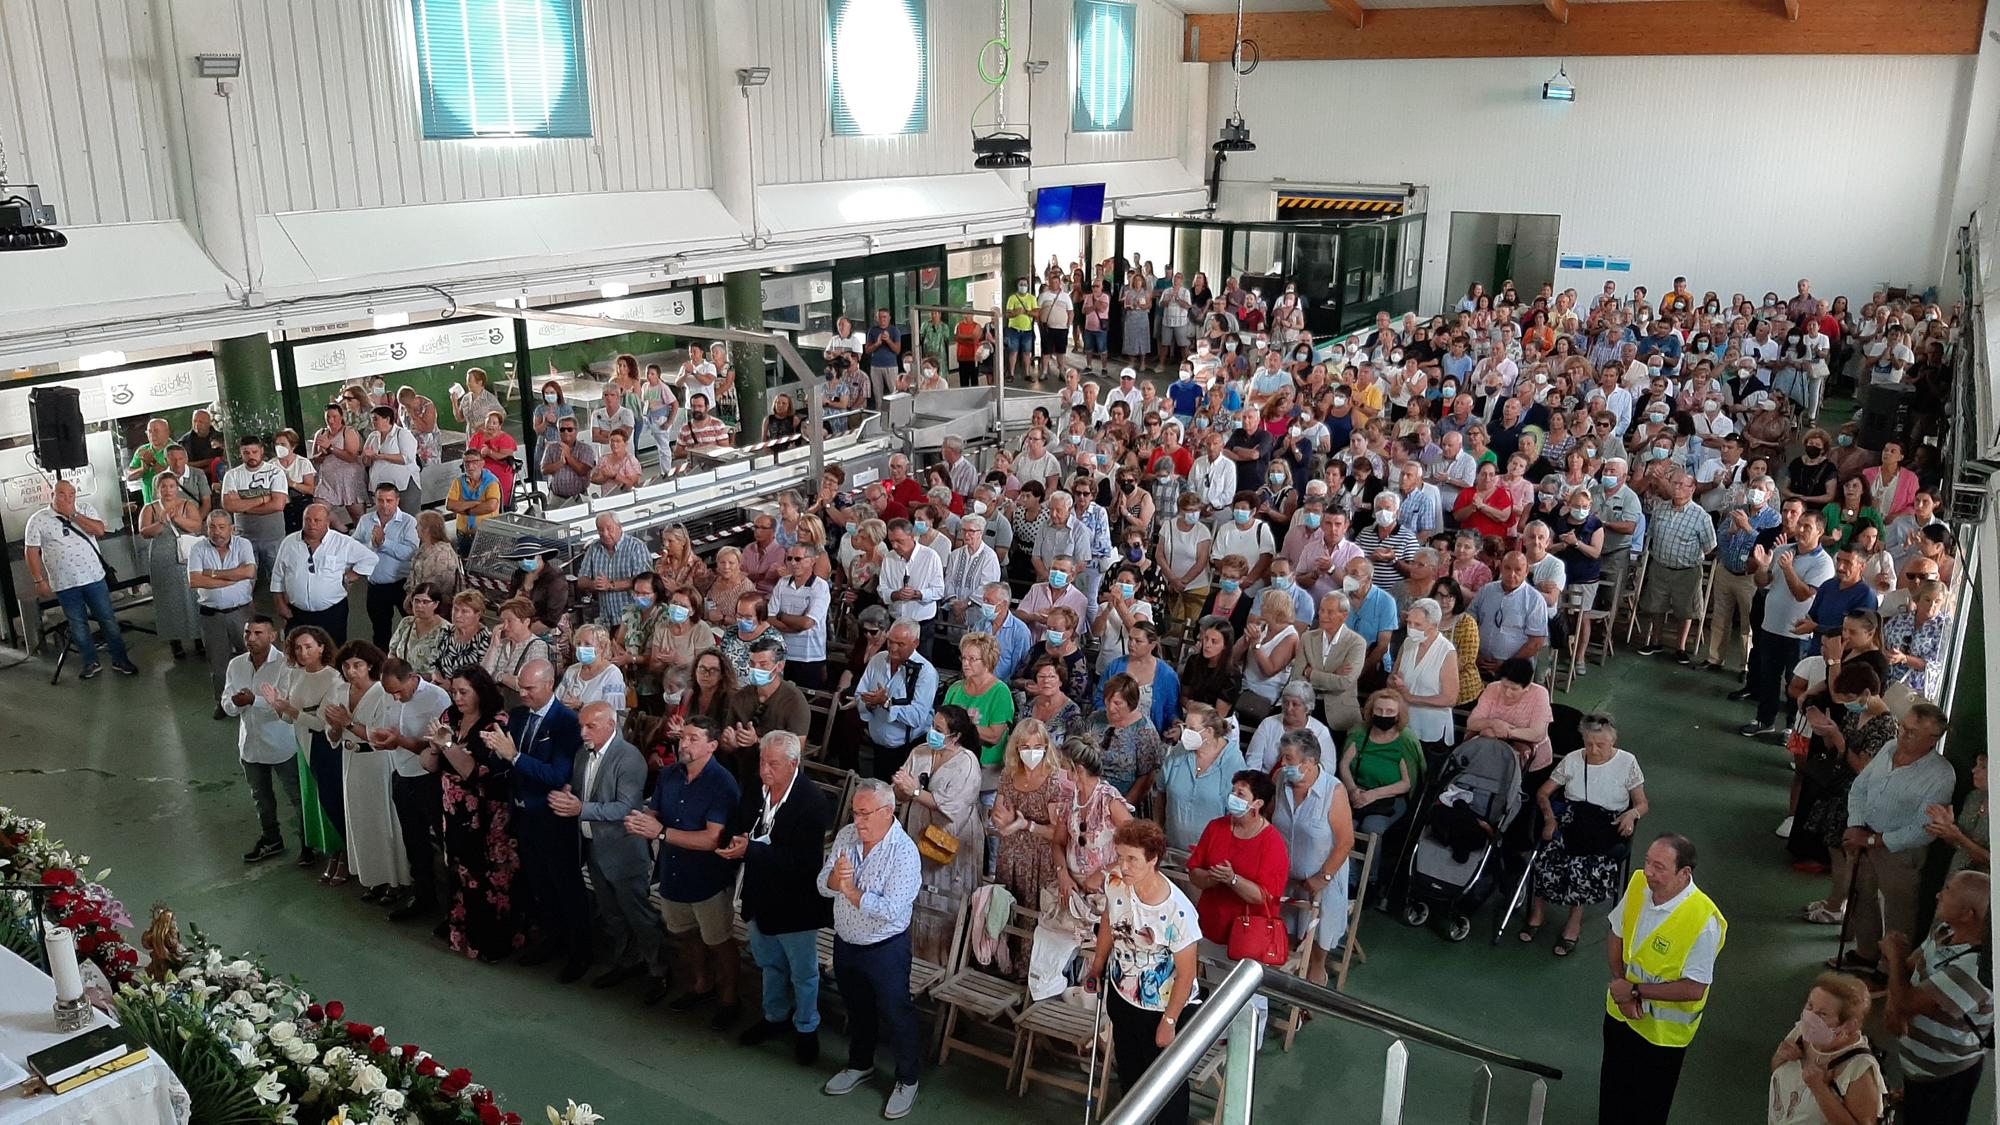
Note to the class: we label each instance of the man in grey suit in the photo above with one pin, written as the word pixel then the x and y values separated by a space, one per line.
pixel 608 782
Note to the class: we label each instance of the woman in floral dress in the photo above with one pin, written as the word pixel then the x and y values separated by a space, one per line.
pixel 477 842
pixel 1033 791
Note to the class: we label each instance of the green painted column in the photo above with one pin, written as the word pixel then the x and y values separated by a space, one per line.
pixel 743 307
pixel 1187 255
pixel 1017 260
pixel 247 393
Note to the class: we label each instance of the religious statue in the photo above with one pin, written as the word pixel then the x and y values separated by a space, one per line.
pixel 163 944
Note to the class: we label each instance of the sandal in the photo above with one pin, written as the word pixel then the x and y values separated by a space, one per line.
pixel 1528 933
pixel 1564 946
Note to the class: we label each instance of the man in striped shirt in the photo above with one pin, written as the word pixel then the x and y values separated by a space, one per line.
pixel 1938 1007
pixel 1680 536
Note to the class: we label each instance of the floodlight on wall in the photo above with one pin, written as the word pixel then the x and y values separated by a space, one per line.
pixel 1559 88
pixel 749 76
pixel 218 66
pixel 26 223
pixel 1235 135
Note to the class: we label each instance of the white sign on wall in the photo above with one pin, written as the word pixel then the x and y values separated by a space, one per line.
pixel 128 393
pixel 385 353
pixel 676 306
pixel 25 487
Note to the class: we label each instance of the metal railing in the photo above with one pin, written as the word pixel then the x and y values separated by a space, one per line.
pixel 1229 1012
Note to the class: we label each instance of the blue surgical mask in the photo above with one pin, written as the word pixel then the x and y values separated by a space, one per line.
pixel 921 527
pixel 1126 590
pixel 1855 706
pixel 1058 579
pixel 1281 582
pixel 746 624
pixel 678 614
pixel 934 738
pixel 1054 637
pixel 1242 517
pixel 1236 805
pixel 529 566
pixel 643 601
pixel 761 677
pixel 1293 774
pixel 1313 520
pixel 1231 585
pixel 1844 439
pixel 586 654
pixel 1609 481
pixel 988 611
pixel 1135 553
pixel 1579 514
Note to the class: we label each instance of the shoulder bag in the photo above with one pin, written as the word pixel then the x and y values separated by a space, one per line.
pixel 1260 936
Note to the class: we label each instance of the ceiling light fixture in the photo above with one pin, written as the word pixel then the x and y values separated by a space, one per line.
pixel 1235 135
pixel 1559 88
pixel 1001 147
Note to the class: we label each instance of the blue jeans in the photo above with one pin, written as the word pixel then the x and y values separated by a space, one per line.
pixel 95 599
pixel 1096 342
pixel 791 976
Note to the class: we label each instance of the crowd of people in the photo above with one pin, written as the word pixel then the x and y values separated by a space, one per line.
pixel 1157 667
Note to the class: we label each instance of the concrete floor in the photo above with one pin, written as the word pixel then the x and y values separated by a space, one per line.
pixel 136 773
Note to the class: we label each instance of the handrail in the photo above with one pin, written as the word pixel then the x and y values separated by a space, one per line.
pixel 1325 1001
pixel 1210 1022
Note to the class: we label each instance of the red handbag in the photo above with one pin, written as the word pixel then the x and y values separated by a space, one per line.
pixel 1260 937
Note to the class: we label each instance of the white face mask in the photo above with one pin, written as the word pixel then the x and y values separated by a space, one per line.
pixel 1191 738
pixel 1031 756
pixel 283 449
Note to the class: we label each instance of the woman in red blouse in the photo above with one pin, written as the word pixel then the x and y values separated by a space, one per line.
pixel 1240 865
pixel 1486 507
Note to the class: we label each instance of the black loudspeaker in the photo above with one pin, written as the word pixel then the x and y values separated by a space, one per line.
pixel 1886 415
pixel 56 420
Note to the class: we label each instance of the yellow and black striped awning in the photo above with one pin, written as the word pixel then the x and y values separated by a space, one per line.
pixel 1347 202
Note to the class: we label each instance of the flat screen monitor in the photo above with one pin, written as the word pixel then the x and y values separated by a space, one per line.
pixel 1086 203
pixel 1052 206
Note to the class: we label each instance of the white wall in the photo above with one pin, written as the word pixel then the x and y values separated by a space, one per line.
pixel 334 116
pixel 794 129
pixel 81 109
pixel 1689 165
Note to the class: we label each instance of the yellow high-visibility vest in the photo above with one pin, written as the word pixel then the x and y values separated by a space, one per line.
pixel 1663 957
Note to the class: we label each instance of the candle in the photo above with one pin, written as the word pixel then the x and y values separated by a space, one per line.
pixel 61 947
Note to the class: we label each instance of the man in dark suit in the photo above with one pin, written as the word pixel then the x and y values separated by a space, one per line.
pixel 543 755
pixel 608 782
pixel 781 839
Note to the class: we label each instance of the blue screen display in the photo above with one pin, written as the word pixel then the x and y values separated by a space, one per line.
pixel 1052 206
pixel 1086 204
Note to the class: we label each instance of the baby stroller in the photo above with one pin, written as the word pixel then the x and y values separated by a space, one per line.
pixel 1457 858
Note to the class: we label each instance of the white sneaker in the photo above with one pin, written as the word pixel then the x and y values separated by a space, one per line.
pixel 902 1100
pixel 1784 831
pixel 846 1081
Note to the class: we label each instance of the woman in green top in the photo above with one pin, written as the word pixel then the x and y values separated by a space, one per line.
pixel 988 700
pixel 1382 764
pixel 1850 509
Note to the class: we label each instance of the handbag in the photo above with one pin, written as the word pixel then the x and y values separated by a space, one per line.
pixel 1260 937
pixel 937 845
pixel 184 546
pixel 1590 829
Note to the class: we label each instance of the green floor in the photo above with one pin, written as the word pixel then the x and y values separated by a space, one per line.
pixel 137 774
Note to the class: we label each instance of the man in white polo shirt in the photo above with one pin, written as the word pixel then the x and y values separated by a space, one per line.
pixel 222 569
pixel 63 559
pixel 799 603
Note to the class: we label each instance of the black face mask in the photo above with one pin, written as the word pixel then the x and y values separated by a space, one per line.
pixel 1383 722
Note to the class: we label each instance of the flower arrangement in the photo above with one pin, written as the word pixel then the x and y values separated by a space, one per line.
pixel 29 855
pixel 252 1048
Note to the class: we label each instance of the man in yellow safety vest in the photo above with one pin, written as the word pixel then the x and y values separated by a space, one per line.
pixel 1665 934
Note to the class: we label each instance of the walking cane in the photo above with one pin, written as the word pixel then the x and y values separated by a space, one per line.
pixel 1847 907
pixel 1096 1040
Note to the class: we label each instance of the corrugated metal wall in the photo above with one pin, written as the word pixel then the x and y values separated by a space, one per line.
pixel 795 142
pixel 97 147
pixel 1741 173
pixel 333 99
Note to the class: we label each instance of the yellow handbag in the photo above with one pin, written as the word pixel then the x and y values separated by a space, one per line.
pixel 937 845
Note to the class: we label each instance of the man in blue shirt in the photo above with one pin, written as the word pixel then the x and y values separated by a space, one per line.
pixel 1373 610
pixel 996 618
pixel 392 534
pixel 885 351
pixel 1839 595
pixel 1185 393
pixel 689 814
pixel 895 698
pixel 1513 616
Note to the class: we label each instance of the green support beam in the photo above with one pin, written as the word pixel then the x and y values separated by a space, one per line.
pixel 1017 260
pixel 743 307
pixel 247 392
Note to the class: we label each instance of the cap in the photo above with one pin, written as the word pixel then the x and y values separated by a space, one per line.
pixel 1127 373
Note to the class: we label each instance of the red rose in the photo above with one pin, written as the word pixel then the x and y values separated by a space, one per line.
pixel 379 1045
pixel 335 1009
pixel 489 1114
pixel 315 1012
pixel 410 1050
pixel 428 1067
pixel 511 1119
pixel 360 1031
pixel 482 1096
pixel 59 877
pixel 126 955
pixel 460 1076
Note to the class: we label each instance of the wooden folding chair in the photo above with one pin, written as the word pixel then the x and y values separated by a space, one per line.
pixel 1625 599
pixel 1296 965
pixel 837 785
pixel 1070 1023
pixel 1367 845
pixel 821 706
pixel 986 997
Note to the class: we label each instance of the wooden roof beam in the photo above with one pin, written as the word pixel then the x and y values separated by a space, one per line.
pixel 1558 8
pixel 1792 9
pixel 1355 13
